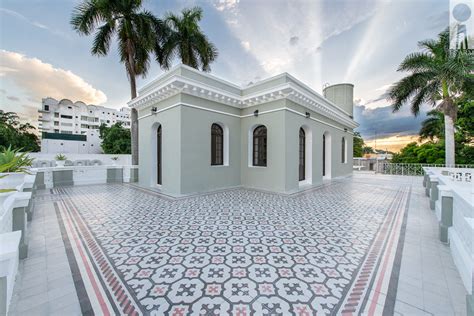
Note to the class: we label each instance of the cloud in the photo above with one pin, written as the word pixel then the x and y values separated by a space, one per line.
pixel 13 98
pixel 32 22
pixel 384 88
pixel 393 142
pixel 439 21
pixel 287 36
pixel 375 102
pixel 366 47
pixel 24 18
pixel 3 91
pixel 222 5
pixel 294 40
pixel 39 79
pixel 383 122
pixel 246 45
pixel 265 26
pixel 29 114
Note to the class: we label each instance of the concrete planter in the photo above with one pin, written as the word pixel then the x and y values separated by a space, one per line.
pixel 12 180
pixel 4 196
pixel 60 163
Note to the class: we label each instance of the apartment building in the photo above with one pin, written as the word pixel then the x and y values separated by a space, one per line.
pixel 73 127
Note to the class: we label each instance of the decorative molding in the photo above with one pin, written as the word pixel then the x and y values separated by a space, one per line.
pixel 292 91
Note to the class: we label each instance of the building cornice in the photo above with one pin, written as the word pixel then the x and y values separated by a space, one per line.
pixel 293 91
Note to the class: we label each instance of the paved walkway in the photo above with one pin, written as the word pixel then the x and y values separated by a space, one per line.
pixel 336 249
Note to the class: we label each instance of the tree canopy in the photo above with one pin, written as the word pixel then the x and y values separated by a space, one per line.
pixel 437 77
pixel 115 139
pixel 358 144
pixel 184 39
pixel 432 129
pixel 16 135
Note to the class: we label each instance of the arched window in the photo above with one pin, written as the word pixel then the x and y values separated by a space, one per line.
pixel 260 146
pixel 343 150
pixel 302 152
pixel 217 145
pixel 324 155
pixel 158 155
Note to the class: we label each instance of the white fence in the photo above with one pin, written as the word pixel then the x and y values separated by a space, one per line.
pixel 403 169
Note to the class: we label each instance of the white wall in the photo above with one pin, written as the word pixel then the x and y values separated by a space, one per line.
pixel 55 146
pixel 123 159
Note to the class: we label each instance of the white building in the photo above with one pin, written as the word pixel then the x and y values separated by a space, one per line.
pixel 69 127
pixel 200 133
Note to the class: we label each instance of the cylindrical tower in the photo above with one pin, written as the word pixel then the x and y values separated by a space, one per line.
pixel 342 95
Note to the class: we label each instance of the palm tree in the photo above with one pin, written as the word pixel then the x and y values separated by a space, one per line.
pixel 184 39
pixel 437 76
pixel 433 126
pixel 136 31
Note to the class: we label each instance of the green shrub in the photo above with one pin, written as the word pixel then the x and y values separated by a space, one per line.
pixel 14 161
pixel 60 157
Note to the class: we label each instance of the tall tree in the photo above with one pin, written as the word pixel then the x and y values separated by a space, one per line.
pixel 433 126
pixel 16 135
pixel 358 144
pixel 115 139
pixel 437 77
pixel 185 40
pixel 137 32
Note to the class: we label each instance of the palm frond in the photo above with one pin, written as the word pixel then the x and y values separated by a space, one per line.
pixel 403 90
pixel 433 126
pixel 87 15
pixel 417 62
pixel 102 39
pixel 185 40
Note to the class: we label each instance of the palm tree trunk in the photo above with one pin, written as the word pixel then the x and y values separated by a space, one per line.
pixel 134 114
pixel 449 139
pixel 134 123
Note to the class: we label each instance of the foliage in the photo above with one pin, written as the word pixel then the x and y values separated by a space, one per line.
pixel 465 155
pixel 15 134
pixel 138 34
pixel 15 161
pixel 439 76
pixel 358 145
pixel 60 157
pixel 465 121
pixel 433 129
pixel 433 153
pixel 115 139
pixel 184 39
pixel 433 126
pixel 11 160
pixel 368 150
pixel 437 73
pixel 430 152
pixel 136 30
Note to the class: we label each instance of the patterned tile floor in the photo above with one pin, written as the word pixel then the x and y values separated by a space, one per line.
pixel 332 250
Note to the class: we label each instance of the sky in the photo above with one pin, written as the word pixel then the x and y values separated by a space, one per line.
pixel 317 41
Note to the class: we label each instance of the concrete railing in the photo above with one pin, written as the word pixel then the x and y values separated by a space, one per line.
pixel 15 210
pixel 42 160
pixel 451 193
pixel 81 175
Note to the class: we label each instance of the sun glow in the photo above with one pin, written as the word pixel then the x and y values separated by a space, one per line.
pixel 392 143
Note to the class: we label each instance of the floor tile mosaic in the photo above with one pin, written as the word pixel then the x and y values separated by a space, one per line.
pixel 240 252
